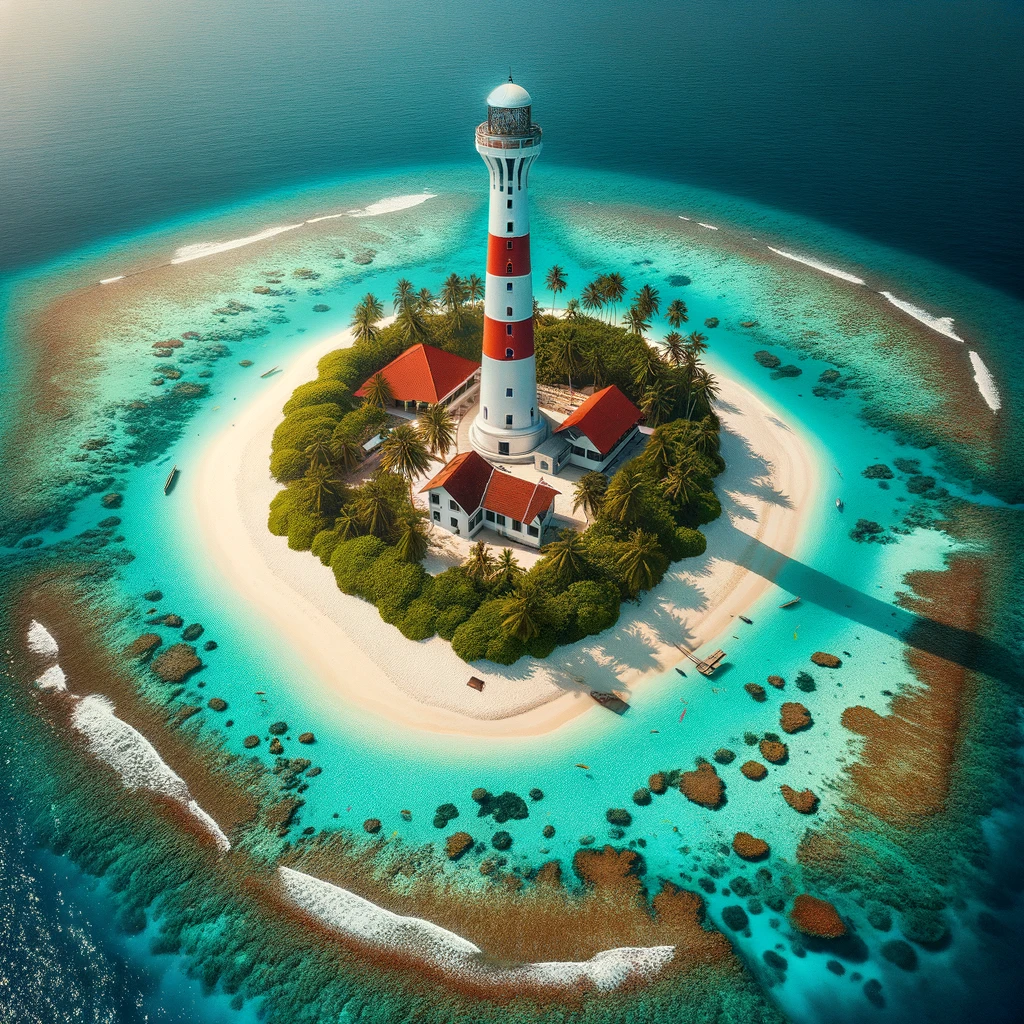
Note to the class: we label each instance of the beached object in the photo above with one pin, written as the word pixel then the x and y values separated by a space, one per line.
pixel 816 917
pixel 749 622
pixel 749 847
pixel 171 480
pixel 142 647
pixel 612 701
pixel 826 660
pixel 457 844
pixel 724 755
pixel 805 801
pixel 773 751
pixel 307 737
pixel 177 663
pixel 251 741
pixel 475 683
pixel 217 704
pixel 703 786
pixel 754 770
pixel 793 717
pixel 756 691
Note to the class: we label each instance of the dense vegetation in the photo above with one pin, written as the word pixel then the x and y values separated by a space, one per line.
pixel 374 538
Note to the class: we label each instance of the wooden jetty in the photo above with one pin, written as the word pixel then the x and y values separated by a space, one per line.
pixel 171 478
pixel 612 701
pixel 705 666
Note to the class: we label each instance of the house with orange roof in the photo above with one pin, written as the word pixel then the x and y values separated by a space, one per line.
pixel 600 430
pixel 470 494
pixel 423 375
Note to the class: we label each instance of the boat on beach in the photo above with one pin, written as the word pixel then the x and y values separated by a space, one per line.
pixel 172 478
pixel 612 701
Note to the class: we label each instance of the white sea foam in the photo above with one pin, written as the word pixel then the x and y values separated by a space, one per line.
pixel 40 641
pixel 358 918
pixel 818 265
pixel 941 324
pixel 393 204
pixel 134 758
pixel 111 280
pixel 986 385
pixel 681 217
pixel 53 679
pixel 710 227
pixel 201 249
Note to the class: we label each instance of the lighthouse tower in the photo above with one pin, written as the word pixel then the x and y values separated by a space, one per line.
pixel 509 424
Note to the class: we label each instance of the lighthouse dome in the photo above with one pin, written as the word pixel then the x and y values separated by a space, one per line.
pixel 509 95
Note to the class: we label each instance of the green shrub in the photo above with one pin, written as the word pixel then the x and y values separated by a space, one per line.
pixel 318 392
pixel 482 636
pixel 326 410
pixel 691 542
pixel 418 622
pixel 352 558
pixel 324 544
pixel 586 608
pixel 392 584
pixel 449 619
pixel 709 508
pixel 299 433
pixel 507 650
pixel 288 464
pixel 281 506
pixel 454 587
pixel 302 528
pixel 360 424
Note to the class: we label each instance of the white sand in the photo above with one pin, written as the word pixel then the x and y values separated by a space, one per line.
pixel 360 660
pixel 393 204
pixel 199 250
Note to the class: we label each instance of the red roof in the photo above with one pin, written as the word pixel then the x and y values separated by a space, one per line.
pixel 604 417
pixel 424 374
pixel 473 482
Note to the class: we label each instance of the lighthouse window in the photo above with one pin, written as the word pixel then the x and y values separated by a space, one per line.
pixel 508 311
pixel 508 420
pixel 509 353
pixel 485 412
pixel 508 227
pixel 508 392
pixel 508 329
pixel 508 244
pixel 508 204
pixel 508 268
pixel 508 286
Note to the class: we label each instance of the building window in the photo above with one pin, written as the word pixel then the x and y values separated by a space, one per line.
pixel 508 204
pixel 581 452
pixel 437 516
pixel 508 330
pixel 485 412
pixel 531 413
pixel 544 465
pixel 508 392
pixel 517 526
pixel 455 522
pixel 508 268
pixel 435 499
pixel 503 447
pixel 508 311
pixel 509 353
pixel 508 420
pixel 508 286
pixel 501 519
pixel 489 516
pixel 508 227
pixel 453 505
pixel 533 531
pixel 508 244
pixel 594 456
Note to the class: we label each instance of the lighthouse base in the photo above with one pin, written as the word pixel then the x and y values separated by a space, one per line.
pixel 499 445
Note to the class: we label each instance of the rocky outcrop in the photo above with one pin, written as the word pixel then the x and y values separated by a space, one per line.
pixel 278 728
pixel 618 816
pixel 276 746
pixel 773 751
pixel 444 814
pixel 703 786
pixel 724 756
pixel 749 847
pixel 793 717
pixel 754 770
pixel 548 831
pixel 501 840
pixel 251 741
pixel 816 917
pixel 177 663
pixel 536 794
pixel 457 844
pixel 193 632
pixel 142 647
pixel 900 953
pixel 112 500
pixel 307 737
pixel 504 807
pixel 657 783
pixel 777 681
pixel 153 595
pixel 642 797
pixel 805 802
pixel 756 691
pixel 371 825
pixel 826 660
pixel 217 704
pixel 735 917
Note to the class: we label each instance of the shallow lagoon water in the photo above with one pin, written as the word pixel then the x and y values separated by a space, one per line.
pixel 848 589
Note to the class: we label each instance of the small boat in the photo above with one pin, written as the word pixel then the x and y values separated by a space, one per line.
pixel 790 603
pixel 273 369
pixel 749 622
pixel 839 504
pixel 612 701
pixel 171 478
pixel 260 693
pixel 681 672
pixel 585 767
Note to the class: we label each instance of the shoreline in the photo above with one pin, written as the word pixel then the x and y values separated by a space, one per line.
pixel 422 685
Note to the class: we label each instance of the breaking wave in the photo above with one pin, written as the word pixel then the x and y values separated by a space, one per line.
pixel 393 204
pixel 986 385
pixel 40 640
pixel 201 249
pixel 53 679
pixel 818 265
pixel 942 324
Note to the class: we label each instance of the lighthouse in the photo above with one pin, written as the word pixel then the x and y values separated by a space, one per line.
pixel 509 424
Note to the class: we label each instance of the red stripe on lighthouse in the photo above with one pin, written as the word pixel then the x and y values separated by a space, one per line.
pixel 498 343
pixel 500 257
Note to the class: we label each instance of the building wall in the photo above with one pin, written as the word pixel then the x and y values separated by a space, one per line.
pixel 454 520
pixel 600 464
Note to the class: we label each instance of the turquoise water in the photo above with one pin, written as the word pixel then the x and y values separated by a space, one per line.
pixel 847 589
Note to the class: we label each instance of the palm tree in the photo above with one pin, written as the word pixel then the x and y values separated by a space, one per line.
pixel 638 562
pixel 589 493
pixel 697 343
pixel 425 300
pixel 453 293
pixel 525 612
pixel 675 348
pixel 373 509
pixel 703 392
pixel 636 322
pixel 705 437
pixel 593 363
pixel 591 297
pixel 676 314
pixel 507 572
pixel 646 366
pixel 478 564
pixel 572 309
pixel 347 453
pixel 404 453
pixel 567 353
pixel 412 324
pixel 438 430
pixel 658 452
pixel 555 282
pixel 411 542
pixel 348 523
pixel 623 498
pixel 613 288
pixel 648 301
pixel 323 486
pixel 402 296
pixel 658 400
pixel 567 556
pixel 378 391
pixel 318 452
pixel 679 483
pixel 365 318
pixel 474 288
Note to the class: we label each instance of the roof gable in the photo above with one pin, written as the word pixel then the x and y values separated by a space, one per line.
pixel 517 498
pixel 464 478
pixel 423 373
pixel 604 417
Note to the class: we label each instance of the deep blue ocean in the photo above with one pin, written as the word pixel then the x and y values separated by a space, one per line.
pixel 896 121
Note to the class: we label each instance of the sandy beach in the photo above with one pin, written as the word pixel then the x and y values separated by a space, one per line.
pixel 770 481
